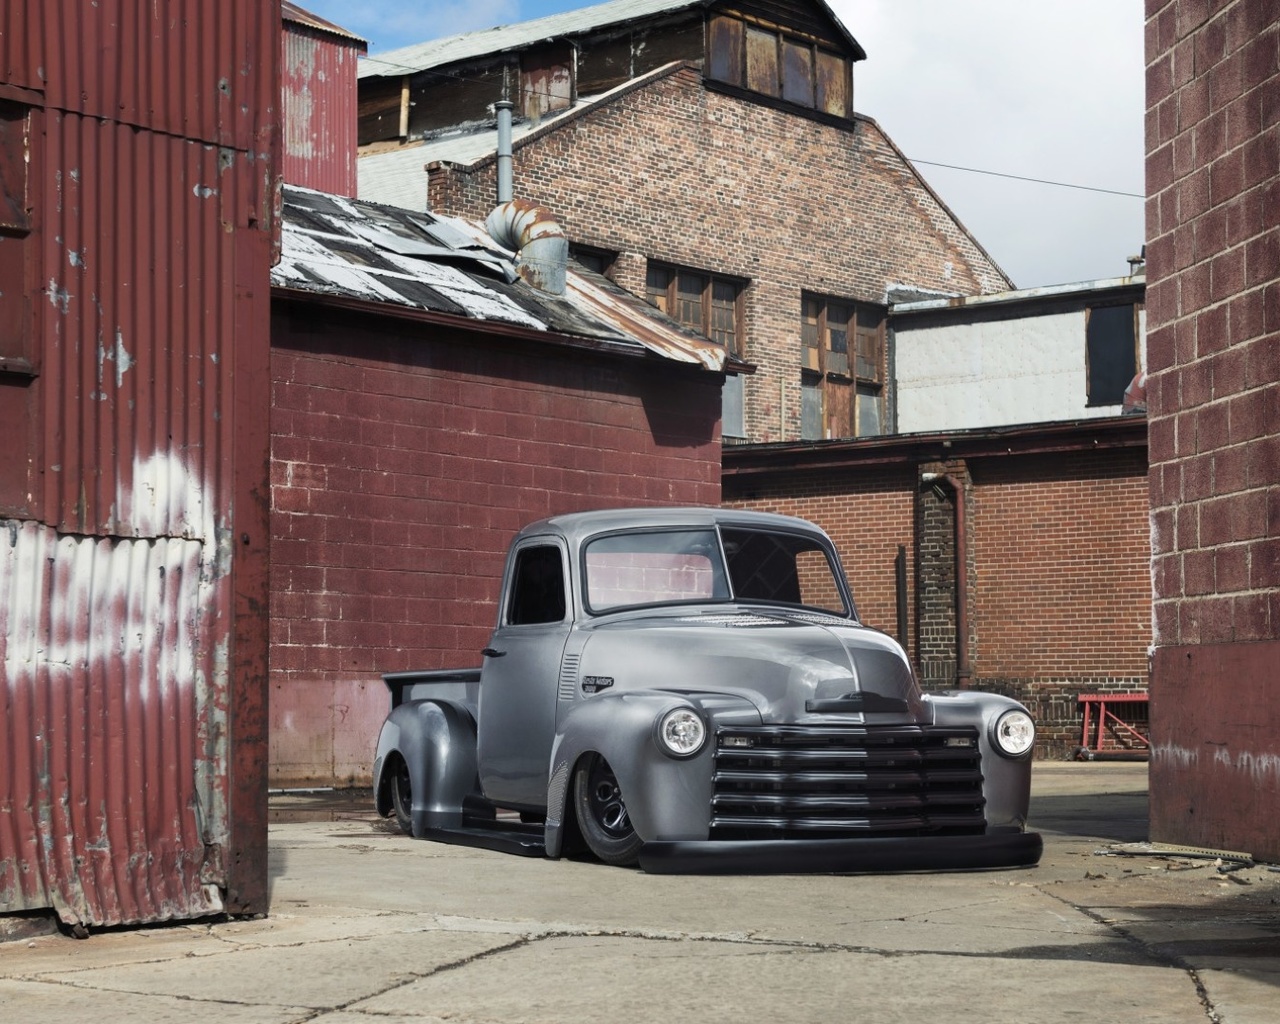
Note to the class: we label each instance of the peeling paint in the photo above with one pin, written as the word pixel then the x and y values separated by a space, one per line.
pixel 59 298
pixel 203 191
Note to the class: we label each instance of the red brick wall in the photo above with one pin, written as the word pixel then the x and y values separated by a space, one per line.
pixel 1062 583
pixel 403 461
pixel 678 173
pixel 1213 344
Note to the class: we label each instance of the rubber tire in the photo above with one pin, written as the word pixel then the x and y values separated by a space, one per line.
pixel 402 796
pixel 615 843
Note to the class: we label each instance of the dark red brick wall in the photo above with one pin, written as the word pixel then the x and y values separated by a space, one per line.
pixel 676 172
pixel 1213 307
pixel 403 461
pixel 1058 569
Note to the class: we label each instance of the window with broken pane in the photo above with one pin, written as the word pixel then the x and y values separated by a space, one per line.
pixel 841 367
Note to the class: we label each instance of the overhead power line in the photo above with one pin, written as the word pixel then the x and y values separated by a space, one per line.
pixel 1037 181
pixel 454 76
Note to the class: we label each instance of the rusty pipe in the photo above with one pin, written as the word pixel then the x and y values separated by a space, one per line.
pixel 538 240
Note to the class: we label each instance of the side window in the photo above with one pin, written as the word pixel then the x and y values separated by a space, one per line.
pixel 537 590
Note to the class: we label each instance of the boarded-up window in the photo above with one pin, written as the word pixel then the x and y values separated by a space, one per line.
pixel 1111 341
pixel 840 388
pixel 707 303
pixel 774 63
pixel 762 61
pixel 546 81
pixel 725 41
pixel 833 82
pixel 797 72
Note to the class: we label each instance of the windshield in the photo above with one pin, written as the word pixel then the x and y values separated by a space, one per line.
pixel 657 567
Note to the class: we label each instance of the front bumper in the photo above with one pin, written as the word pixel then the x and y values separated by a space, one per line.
pixel 842 856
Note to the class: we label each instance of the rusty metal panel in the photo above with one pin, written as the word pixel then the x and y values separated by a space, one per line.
pixel 177 66
pixel 132 598
pixel 725 49
pixel 318 74
pixel 833 83
pixel 112 798
pixel 762 61
pixel 546 81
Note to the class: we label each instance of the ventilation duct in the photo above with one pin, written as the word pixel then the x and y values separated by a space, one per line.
pixel 540 244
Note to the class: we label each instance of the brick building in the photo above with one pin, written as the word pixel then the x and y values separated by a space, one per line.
pixel 1213 226
pixel 1050 528
pixel 425 406
pixel 706 155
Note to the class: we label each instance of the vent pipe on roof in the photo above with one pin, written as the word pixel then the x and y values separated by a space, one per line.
pixel 506 191
pixel 540 244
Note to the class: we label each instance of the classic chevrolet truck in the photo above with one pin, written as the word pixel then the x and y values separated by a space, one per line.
pixel 692 690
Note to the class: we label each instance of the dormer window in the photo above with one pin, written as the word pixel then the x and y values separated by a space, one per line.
pixel 776 63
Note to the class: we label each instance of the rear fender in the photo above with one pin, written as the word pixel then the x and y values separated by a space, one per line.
pixel 437 740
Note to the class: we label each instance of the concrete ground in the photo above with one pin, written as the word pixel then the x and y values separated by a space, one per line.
pixel 369 926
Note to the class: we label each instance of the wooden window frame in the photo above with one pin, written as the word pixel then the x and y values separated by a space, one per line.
pixel 729 56
pixel 667 298
pixel 824 367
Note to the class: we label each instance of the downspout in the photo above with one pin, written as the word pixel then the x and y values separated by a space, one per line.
pixel 964 673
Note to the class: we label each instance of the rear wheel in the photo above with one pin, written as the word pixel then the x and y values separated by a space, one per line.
pixel 602 813
pixel 402 796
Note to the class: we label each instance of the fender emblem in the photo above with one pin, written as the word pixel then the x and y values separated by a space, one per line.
pixel 593 684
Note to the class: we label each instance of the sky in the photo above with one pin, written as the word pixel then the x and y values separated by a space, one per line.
pixel 1050 90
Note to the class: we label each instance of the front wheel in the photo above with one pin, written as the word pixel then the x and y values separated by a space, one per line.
pixel 402 796
pixel 602 814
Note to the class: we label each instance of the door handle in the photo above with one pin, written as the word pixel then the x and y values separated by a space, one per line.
pixel 490 652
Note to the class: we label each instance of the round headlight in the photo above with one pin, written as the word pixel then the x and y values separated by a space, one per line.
pixel 682 732
pixel 1015 733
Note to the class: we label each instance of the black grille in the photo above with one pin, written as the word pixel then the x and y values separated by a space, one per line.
pixel 801 782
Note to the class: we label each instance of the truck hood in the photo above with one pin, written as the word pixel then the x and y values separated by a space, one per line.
pixel 794 666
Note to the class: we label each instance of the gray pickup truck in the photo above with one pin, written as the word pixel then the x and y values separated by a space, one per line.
pixel 691 690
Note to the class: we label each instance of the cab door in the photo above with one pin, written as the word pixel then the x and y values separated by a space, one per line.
pixel 520 673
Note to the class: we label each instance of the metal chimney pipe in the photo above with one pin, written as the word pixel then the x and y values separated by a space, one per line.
pixel 506 188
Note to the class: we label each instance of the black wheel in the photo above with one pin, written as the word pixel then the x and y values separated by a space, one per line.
pixel 402 796
pixel 602 814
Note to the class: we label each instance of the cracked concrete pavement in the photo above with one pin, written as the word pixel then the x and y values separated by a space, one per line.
pixel 369 926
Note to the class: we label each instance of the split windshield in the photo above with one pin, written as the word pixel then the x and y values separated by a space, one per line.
pixel 655 567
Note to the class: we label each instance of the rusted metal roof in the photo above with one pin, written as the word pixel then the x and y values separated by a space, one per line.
pixel 301 16
pixel 470 45
pixel 343 249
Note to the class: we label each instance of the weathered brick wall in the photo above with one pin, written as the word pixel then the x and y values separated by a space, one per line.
pixel 1062 586
pixel 1213 347
pixel 682 174
pixel 402 464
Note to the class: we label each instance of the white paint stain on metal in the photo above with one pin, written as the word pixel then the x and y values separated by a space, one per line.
pixel 203 191
pixel 59 298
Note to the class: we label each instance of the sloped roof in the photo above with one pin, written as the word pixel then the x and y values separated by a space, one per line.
pixel 399 176
pixel 502 38
pixel 301 16
pixel 364 253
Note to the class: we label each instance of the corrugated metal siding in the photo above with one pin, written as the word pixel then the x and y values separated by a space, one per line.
pixel 319 87
pixel 185 67
pixel 132 643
